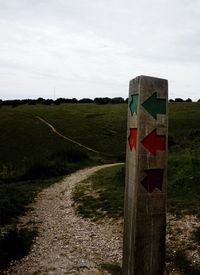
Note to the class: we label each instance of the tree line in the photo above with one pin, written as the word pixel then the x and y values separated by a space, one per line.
pixel 58 101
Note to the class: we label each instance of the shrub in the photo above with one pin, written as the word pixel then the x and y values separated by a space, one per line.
pixel 188 100
pixel 85 100
pixel 102 100
pixel 179 100
pixel 117 100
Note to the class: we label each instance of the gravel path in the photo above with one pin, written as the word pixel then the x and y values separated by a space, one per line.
pixel 66 243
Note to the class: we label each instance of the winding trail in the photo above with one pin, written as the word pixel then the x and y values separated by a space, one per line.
pixel 67 138
pixel 67 243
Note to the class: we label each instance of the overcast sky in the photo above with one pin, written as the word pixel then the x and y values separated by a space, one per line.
pixel 92 48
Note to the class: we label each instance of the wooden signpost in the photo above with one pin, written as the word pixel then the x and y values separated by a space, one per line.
pixel 146 177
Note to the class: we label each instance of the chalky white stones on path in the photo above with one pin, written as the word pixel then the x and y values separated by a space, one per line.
pixel 67 243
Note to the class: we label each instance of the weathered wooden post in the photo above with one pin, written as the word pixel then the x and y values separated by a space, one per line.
pixel 146 177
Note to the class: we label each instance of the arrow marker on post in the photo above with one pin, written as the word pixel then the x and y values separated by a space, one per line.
pixel 134 104
pixel 153 179
pixel 132 139
pixel 155 105
pixel 154 142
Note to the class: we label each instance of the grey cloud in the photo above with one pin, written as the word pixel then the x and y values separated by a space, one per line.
pixel 102 43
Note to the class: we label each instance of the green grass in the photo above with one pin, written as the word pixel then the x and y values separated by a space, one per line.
pixel 24 139
pixel 184 122
pixel 31 151
pixel 104 197
pixel 31 154
pixel 184 159
pixel 103 193
pixel 95 126
pixel 25 142
pixel 184 182
pixel 14 197
pixel 101 127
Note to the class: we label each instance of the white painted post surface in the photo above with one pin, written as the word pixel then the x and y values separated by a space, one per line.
pixel 146 177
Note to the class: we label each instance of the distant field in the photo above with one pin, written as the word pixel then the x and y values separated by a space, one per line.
pixel 184 122
pixel 101 127
pixel 25 140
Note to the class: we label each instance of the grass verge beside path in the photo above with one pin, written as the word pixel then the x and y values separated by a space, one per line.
pixel 102 194
pixel 14 198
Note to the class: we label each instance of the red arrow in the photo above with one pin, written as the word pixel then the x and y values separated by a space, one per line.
pixel 154 142
pixel 153 179
pixel 132 139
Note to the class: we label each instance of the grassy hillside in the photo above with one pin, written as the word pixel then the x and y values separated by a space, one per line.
pixel 184 122
pixel 183 162
pixel 98 126
pixel 31 156
pixel 26 141
pixel 184 158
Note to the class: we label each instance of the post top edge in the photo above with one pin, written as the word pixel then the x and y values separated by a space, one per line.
pixel 140 77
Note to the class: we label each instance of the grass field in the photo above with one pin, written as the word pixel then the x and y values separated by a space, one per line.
pixel 184 158
pixel 31 151
pixel 31 155
pixel 183 162
pixel 24 140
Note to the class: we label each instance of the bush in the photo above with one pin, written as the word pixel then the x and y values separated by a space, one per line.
pixel 179 100
pixel 102 100
pixel 32 102
pixel 117 100
pixel 188 100
pixel 47 102
pixel 85 100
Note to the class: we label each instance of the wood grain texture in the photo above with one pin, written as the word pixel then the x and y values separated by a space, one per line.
pixel 145 212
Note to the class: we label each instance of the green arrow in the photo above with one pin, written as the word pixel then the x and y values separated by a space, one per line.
pixel 134 104
pixel 155 105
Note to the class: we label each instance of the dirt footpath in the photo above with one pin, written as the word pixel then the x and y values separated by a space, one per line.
pixel 66 243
